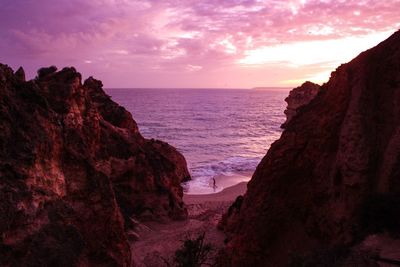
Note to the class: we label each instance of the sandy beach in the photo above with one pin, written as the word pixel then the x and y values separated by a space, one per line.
pixel 159 241
pixel 229 194
pixel 222 182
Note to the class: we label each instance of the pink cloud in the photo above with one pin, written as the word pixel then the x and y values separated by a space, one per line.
pixel 126 42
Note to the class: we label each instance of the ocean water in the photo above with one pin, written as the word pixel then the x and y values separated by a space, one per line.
pixel 219 131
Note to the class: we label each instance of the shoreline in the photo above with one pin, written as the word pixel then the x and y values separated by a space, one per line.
pixel 222 182
pixel 228 194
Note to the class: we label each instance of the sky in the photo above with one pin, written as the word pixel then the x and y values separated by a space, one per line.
pixel 193 43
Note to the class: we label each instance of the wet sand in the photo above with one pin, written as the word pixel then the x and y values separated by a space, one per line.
pixel 222 182
pixel 228 194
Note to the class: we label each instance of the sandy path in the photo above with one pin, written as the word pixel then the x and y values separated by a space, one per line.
pixel 161 240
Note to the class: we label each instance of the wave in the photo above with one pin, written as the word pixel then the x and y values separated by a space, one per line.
pixel 220 132
pixel 203 174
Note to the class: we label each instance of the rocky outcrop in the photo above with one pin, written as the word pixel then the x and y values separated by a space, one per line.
pixel 298 97
pixel 339 150
pixel 73 170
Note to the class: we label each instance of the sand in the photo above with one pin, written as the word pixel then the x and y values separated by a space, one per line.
pixel 228 194
pixel 223 182
pixel 159 241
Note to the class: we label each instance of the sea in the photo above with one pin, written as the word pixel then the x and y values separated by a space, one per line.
pixel 221 132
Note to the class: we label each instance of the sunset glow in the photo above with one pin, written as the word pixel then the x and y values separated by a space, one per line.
pixel 236 44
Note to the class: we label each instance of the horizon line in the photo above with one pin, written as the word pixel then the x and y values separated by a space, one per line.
pixel 214 88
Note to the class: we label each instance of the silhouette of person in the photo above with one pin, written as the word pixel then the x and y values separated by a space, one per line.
pixel 214 184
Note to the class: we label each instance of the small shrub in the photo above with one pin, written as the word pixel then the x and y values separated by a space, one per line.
pixel 193 253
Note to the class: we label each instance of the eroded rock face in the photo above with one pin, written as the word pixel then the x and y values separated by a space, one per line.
pixel 298 97
pixel 342 147
pixel 73 169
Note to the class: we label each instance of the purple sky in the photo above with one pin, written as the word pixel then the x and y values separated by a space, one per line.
pixel 193 43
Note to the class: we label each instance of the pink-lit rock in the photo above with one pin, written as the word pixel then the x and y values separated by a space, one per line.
pixel 73 170
pixel 338 150
pixel 298 97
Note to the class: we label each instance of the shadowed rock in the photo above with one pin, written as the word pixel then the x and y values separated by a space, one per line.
pixel 73 170
pixel 299 97
pixel 344 146
pixel 43 72
pixel 20 74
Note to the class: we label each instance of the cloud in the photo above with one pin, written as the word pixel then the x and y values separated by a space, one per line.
pixel 179 37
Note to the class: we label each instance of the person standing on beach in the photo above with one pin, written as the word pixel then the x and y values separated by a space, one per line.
pixel 214 184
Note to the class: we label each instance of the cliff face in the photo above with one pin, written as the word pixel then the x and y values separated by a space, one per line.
pixel 298 97
pixel 342 147
pixel 73 170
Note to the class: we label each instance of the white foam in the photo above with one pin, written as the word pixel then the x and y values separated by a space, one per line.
pixel 202 176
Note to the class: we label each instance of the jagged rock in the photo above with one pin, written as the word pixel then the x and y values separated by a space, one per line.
pixel 231 214
pixel 20 74
pixel 73 169
pixel 43 72
pixel 342 147
pixel 298 97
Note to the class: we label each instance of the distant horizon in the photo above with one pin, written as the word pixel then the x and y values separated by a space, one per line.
pixel 205 88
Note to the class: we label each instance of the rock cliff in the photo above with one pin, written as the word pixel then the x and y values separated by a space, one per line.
pixel 298 97
pixel 73 170
pixel 338 152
